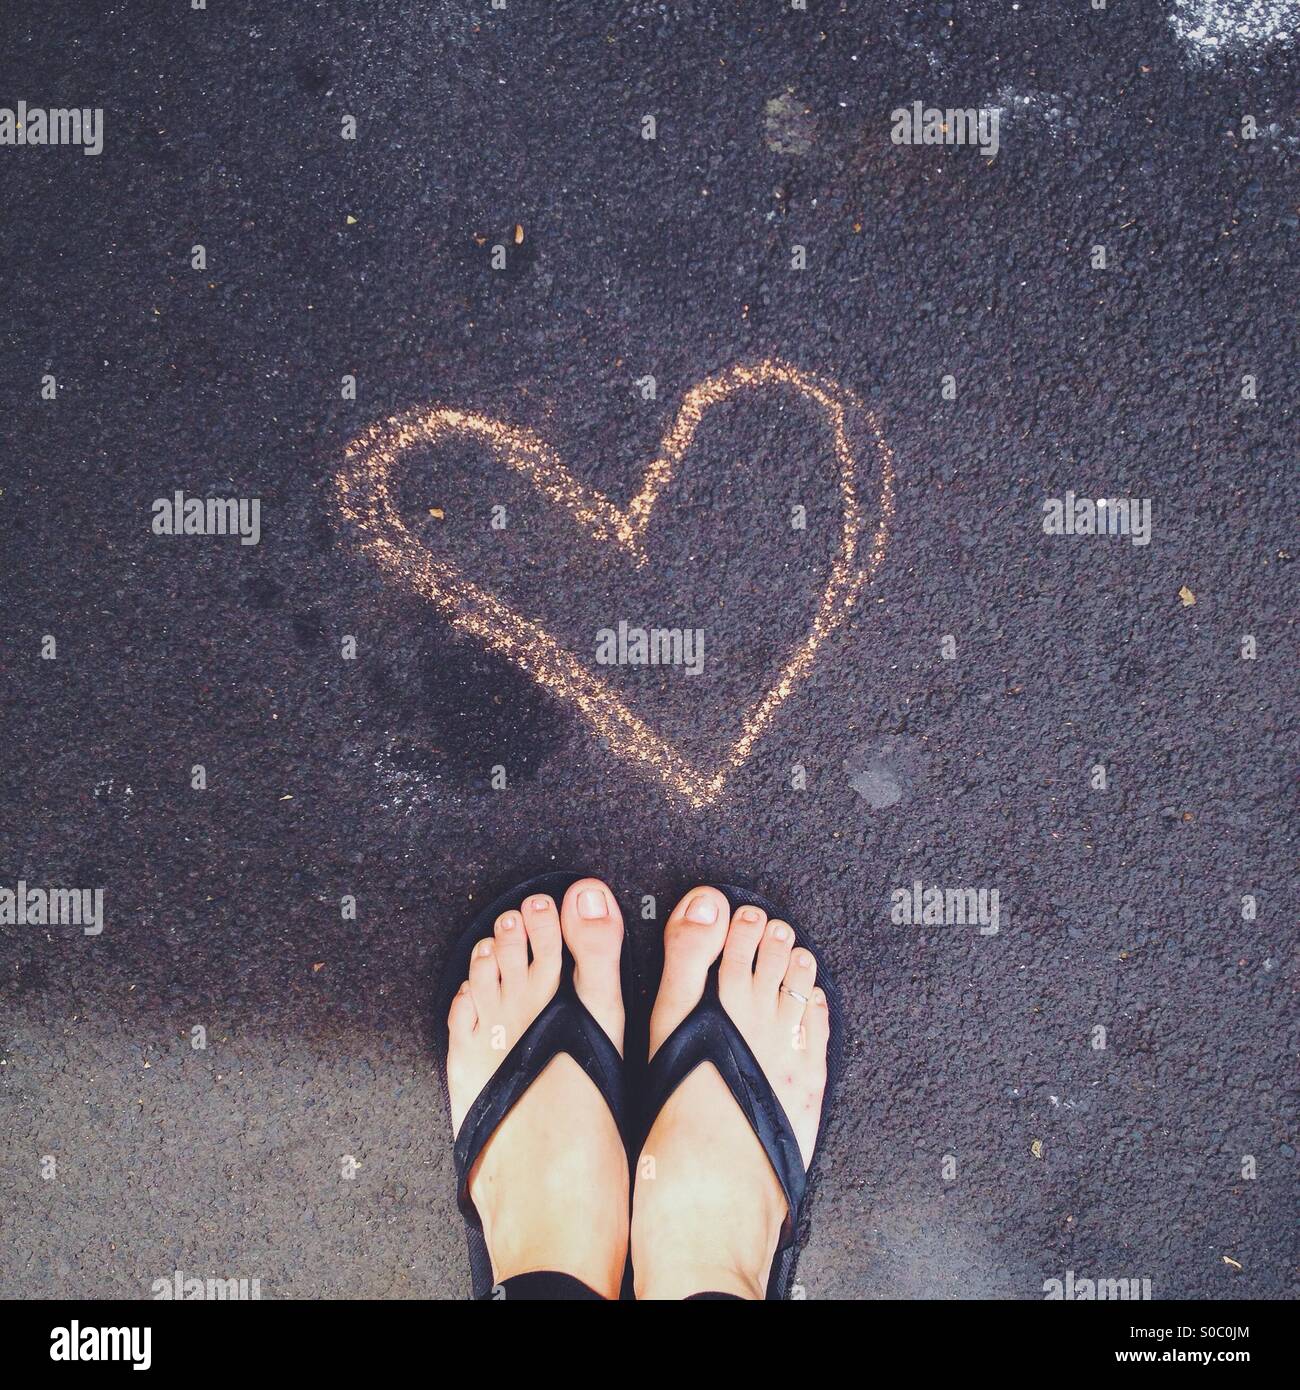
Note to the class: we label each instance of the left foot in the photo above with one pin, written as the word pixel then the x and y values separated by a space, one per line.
pixel 551 1185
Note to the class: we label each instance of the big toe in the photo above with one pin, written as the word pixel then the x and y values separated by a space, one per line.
pixel 693 938
pixel 592 924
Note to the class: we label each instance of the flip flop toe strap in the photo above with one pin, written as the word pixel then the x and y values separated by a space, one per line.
pixel 707 1034
pixel 564 1026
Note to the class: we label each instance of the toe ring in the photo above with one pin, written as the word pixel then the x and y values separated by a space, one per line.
pixel 794 994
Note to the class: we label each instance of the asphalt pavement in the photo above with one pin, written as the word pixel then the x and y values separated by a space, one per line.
pixel 1104 1084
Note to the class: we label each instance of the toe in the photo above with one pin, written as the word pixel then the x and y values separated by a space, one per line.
pixel 592 925
pixel 743 936
pixel 542 923
pixel 463 1015
pixel 511 951
pixel 817 1028
pixel 693 939
pixel 773 959
pixel 484 977
pixel 591 921
pixel 797 987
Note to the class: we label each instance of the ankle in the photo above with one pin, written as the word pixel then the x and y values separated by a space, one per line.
pixel 600 1275
pixel 587 1243
pixel 681 1281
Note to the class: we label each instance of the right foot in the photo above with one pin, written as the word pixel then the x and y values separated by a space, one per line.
pixel 550 1185
pixel 708 1209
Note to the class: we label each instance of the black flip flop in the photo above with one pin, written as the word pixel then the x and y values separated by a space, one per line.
pixel 707 1034
pixel 564 1026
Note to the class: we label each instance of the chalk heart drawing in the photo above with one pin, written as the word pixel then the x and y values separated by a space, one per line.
pixel 365 486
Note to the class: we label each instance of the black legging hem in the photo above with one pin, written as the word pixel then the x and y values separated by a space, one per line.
pixel 550 1287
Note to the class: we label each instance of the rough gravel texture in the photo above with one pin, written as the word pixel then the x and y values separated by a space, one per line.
pixel 1120 908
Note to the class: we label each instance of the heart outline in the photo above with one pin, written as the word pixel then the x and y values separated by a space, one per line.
pixel 366 501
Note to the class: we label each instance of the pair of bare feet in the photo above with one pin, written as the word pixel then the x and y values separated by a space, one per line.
pixel 551 1186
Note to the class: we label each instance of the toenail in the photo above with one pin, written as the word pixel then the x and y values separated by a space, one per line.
pixel 749 914
pixel 539 904
pixel 779 933
pixel 702 909
pixel 591 903
pixel 509 922
pixel 485 948
pixel 805 959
